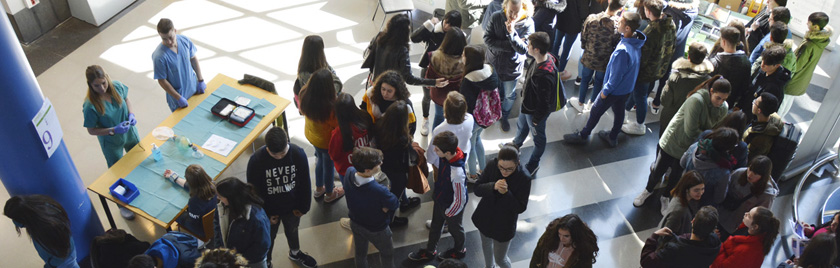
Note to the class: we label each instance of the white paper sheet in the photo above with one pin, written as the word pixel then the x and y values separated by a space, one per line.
pixel 219 145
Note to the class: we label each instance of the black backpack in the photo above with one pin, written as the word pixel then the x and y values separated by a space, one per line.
pixel 784 149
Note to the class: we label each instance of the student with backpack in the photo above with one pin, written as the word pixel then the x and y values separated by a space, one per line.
pixel 540 100
pixel 480 88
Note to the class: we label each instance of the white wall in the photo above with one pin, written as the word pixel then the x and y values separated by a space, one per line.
pixel 13 6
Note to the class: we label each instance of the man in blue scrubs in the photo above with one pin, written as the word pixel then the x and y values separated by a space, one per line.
pixel 176 66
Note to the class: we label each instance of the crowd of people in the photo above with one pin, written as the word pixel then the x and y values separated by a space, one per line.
pixel 720 110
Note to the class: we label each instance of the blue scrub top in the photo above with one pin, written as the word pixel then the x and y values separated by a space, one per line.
pixel 115 113
pixel 176 68
pixel 52 261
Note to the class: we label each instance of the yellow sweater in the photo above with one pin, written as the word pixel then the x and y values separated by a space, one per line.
pixel 318 133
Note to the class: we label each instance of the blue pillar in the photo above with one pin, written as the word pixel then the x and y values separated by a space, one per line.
pixel 26 168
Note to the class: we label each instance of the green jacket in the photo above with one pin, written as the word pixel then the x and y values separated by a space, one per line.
pixel 658 49
pixel 760 136
pixel 790 59
pixel 807 56
pixel 685 77
pixel 696 115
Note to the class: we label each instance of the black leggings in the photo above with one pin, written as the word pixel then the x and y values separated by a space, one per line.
pixel 663 162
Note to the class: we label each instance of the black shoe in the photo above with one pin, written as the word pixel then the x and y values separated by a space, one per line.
pixel 533 170
pixel 605 135
pixel 399 222
pixel 505 125
pixel 452 254
pixel 422 255
pixel 304 259
pixel 577 81
pixel 409 204
pixel 575 138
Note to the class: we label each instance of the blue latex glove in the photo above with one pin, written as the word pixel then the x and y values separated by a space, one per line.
pixel 182 102
pixel 200 87
pixel 122 127
pixel 131 119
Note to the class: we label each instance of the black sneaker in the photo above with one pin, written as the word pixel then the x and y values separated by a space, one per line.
pixel 422 255
pixel 303 259
pixel 412 202
pixel 605 135
pixel 577 81
pixel 575 138
pixel 399 222
pixel 505 125
pixel 452 254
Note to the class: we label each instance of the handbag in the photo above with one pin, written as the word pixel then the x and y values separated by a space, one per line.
pixel 418 172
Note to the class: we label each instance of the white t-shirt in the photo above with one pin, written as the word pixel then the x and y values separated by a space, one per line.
pixel 463 131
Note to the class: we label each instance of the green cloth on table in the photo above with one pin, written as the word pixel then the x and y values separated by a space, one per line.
pixel 200 123
pixel 158 196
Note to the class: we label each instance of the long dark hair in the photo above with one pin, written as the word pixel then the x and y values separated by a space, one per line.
pixel 716 84
pixel 688 180
pixel 735 120
pixel 453 42
pixel 312 57
pixel 473 58
pixel 584 240
pixel 394 79
pixel 396 32
pixel 762 166
pixel 819 253
pixel 317 96
pixel 767 225
pixel 239 195
pixel 348 114
pixel 392 128
pixel 45 221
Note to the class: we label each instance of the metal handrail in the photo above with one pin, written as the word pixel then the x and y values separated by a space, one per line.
pixel 819 163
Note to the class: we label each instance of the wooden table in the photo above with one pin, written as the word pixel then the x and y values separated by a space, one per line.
pixel 137 154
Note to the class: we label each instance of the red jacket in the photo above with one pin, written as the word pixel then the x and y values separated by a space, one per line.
pixel 341 158
pixel 740 251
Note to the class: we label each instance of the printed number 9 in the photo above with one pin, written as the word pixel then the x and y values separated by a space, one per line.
pixel 46 138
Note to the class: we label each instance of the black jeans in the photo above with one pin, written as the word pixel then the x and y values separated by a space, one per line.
pixel 456 228
pixel 290 228
pixel 663 162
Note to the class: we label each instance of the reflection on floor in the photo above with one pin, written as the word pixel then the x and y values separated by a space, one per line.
pixel 264 38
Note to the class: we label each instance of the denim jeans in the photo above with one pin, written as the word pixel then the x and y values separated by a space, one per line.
pixel 456 228
pixel 494 250
pixel 438 116
pixel 524 125
pixel 476 151
pixel 600 107
pixel 381 240
pixel 567 39
pixel 261 264
pixel 290 228
pixel 639 99
pixel 324 170
pixel 597 78
pixel 508 95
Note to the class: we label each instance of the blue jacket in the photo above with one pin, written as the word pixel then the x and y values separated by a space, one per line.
pixel 249 235
pixel 366 201
pixel 623 69
pixel 450 184
pixel 175 249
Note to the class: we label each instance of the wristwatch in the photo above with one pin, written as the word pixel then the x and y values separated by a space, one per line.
pixel 111 132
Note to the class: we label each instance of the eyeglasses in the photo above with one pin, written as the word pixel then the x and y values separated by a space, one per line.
pixel 507 169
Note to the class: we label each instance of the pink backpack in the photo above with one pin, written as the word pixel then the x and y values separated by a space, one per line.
pixel 488 108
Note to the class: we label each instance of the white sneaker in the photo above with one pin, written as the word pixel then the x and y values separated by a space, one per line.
pixel 588 106
pixel 424 130
pixel 664 201
pixel 633 128
pixel 575 103
pixel 345 223
pixel 653 110
pixel 640 200
pixel 445 226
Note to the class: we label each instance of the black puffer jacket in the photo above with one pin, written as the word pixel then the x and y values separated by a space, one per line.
pixel 506 52
pixel 432 37
pixel 571 19
pixel 539 98
pixel 395 58
pixel 679 251
pixel 773 83
pixel 735 67
pixel 496 213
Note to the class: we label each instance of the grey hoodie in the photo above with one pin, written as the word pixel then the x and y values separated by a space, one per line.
pixel 730 219
pixel 716 178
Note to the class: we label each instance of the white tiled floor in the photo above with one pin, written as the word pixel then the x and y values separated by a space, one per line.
pixel 264 38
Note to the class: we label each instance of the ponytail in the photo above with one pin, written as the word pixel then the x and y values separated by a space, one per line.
pixel 767 225
pixel 716 84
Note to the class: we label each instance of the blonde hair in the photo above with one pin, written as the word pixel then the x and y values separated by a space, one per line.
pixel 527 7
pixel 92 73
pixel 201 185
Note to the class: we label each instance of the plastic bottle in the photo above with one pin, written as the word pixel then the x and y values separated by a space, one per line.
pixel 156 153
pixel 197 154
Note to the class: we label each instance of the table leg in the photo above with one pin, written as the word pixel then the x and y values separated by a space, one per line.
pixel 108 212
pixel 285 124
